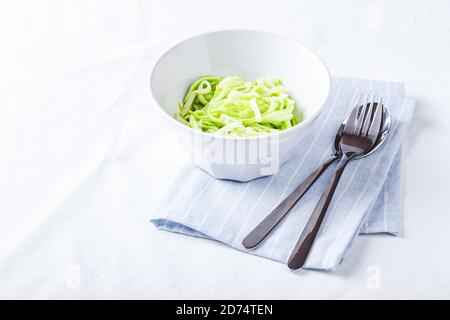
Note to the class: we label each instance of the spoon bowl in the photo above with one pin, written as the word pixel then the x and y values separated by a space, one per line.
pixel 386 127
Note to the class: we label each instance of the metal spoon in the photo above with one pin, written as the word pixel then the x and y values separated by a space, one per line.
pixel 265 227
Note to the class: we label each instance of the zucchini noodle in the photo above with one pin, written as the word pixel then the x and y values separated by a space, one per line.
pixel 233 106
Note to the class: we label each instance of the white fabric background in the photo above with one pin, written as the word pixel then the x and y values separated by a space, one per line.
pixel 84 161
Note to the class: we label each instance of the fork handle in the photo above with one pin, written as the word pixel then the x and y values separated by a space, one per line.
pixel 262 230
pixel 305 242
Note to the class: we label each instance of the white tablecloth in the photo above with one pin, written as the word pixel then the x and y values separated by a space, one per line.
pixel 84 158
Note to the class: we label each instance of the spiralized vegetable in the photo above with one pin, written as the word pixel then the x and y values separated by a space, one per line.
pixel 234 106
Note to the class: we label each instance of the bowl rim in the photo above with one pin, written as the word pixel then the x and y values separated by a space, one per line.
pixel 281 134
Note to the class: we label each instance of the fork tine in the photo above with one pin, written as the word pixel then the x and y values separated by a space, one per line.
pixel 349 127
pixel 361 117
pixel 376 122
pixel 365 129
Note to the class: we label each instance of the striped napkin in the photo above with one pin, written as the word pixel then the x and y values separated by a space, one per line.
pixel 367 199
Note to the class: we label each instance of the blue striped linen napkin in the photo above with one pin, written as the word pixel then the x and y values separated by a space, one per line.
pixel 367 199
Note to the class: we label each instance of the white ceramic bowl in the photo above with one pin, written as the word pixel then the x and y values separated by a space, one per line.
pixel 252 55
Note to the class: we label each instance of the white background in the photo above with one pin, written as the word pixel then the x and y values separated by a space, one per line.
pixel 84 159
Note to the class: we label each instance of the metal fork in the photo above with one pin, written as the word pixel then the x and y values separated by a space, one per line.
pixel 358 139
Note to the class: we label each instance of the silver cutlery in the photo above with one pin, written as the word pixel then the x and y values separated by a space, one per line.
pixel 358 139
pixel 266 226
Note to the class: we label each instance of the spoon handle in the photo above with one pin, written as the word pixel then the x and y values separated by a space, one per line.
pixel 262 230
pixel 305 242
